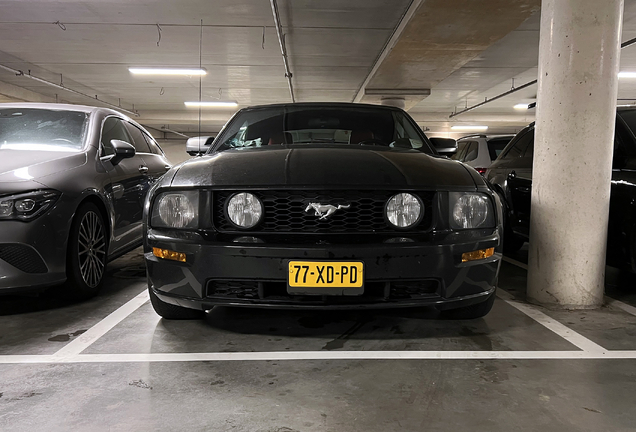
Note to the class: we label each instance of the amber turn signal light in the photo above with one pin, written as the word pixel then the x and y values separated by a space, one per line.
pixel 478 254
pixel 169 255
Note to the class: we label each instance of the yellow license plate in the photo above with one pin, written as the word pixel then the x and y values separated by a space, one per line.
pixel 319 274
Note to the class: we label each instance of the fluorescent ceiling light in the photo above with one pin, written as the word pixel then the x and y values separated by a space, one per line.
pixel 471 128
pixel 211 104
pixel 625 74
pixel 521 106
pixel 167 71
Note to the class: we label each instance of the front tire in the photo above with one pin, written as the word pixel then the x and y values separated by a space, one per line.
pixel 172 312
pixel 87 253
pixel 478 310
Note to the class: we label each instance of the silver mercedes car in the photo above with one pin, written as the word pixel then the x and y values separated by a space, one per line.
pixel 72 185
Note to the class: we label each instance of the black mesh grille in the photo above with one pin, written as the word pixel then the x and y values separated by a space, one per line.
pixel 233 289
pixel 23 258
pixel 277 291
pixel 284 211
pixel 413 289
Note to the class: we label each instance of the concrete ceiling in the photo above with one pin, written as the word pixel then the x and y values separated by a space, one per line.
pixel 463 50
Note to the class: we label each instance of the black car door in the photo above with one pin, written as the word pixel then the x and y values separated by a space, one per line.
pixel 520 186
pixel 511 173
pixel 621 238
pixel 128 183
pixel 155 163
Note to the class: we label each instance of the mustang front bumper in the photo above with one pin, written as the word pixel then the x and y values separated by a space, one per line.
pixel 418 271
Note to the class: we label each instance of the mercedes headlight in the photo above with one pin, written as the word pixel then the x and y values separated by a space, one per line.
pixel 404 210
pixel 471 210
pixel 27 206
pixel 176 210
pixel 244 210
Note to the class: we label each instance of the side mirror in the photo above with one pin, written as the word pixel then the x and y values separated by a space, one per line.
pixel 444 146
pixel 401 143
pixel 122 149
pixel 196 146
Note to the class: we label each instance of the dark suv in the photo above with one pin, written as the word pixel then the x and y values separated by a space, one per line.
pixel 511 176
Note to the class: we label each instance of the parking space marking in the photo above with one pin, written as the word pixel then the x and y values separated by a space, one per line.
pixel 553 325
pixel 620 305
pixel 608 300
pixel 71 353
pixel 318 355
pixel 504 295
pixel 515 262
pixel 89 337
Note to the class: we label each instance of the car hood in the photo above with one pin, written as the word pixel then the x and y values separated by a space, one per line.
pixel 323 166
pixel 28 165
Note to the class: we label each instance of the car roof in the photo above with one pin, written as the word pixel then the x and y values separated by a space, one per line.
pixel 60 107
pixel 618 109
pixel 487 137
pixel 324 104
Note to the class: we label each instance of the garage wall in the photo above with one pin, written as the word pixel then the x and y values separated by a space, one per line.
pixel 175 150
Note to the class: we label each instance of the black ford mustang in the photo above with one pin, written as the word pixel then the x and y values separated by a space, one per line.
pixel 322 206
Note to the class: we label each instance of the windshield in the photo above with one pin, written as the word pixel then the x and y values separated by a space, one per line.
pixel 321 125
pixel 41 129
pixel 496 146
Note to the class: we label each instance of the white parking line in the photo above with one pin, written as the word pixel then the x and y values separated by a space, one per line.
pixel 608 300
pixel 515 262
pixel 619 304
pixel 565 332
pixel 71 353
pixel 318 355
pixel 86 339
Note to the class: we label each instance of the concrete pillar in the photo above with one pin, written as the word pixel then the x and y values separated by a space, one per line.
pixel 579 54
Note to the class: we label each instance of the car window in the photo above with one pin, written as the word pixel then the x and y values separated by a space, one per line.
pixel 141 146
pixel 629 117
pixel 461 150
pixel 529 151
pixel 404 130
pixel 329 125
pixel 471 152
pixel 496 146
pixel 42 129
pixel 627 138
pixel 518 145
pixel 624 145
pixel 113 129
pixel 154 147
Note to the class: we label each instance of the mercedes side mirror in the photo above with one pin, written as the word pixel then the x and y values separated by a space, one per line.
pixel 122 149
pixel 444 146
pixel 197 146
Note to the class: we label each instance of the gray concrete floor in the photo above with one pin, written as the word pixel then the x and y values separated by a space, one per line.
pixel 316 394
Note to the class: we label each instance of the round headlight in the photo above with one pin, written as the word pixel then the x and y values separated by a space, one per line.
pixel 244 210
pixel 176 210
pixel 404 210
pixel 470 211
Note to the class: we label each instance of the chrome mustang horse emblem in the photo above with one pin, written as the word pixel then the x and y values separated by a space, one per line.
pixel 324 210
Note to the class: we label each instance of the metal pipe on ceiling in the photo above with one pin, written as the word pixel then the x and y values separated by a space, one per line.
pixel 62 87
pixel 283 48
pixel 165 129
pixel 176 133
pixel 516 89
pixel 628 43
pixel 623 45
